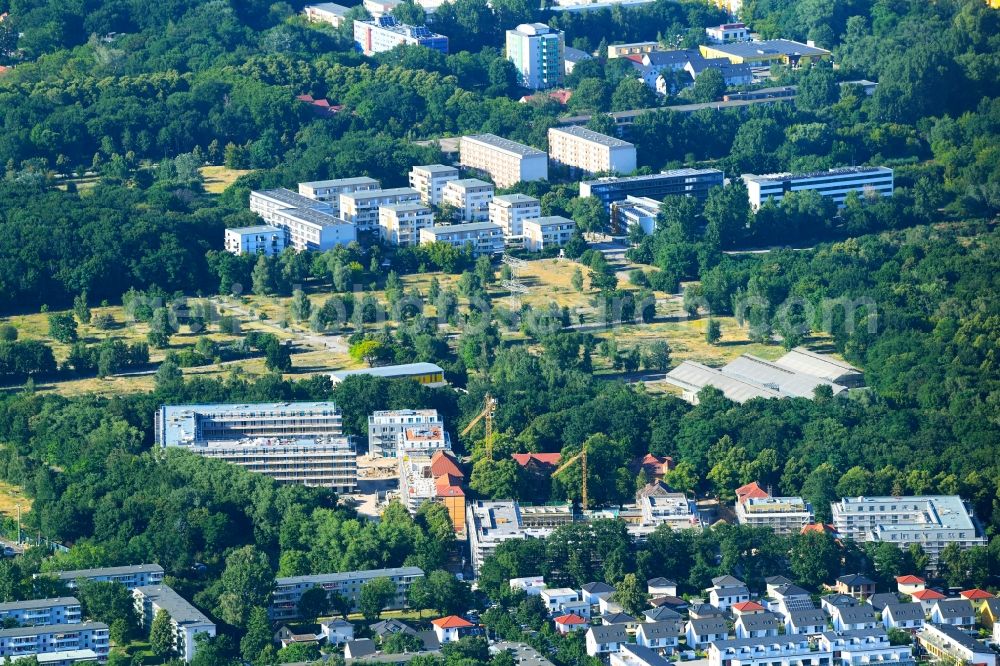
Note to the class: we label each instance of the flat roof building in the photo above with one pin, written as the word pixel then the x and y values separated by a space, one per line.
pixel 635 212
pixel 261 239
pixel 490 523
pixel 835 184
pixel 633 48
pixel 506 162
pixel 313 229
pixel 673 509
pixel 471 197
pixel 690 182
pixel 509 211
pixel 326 12
pixel 61 658
pixel 386 33
pixel 185 620
pixel 55 638
pixel 767 52
pixel 386 426
pixel 543 233
pixel 536 50
pixel 288 590
pixel 361 207
pixel 947 644
pixel 130 576
pixel 785 515
pixel 589 151
pixel 727 32
pixel 41 612
pixel 933 521
pixel 429 180
pixel 400 224
pixel 329 191
pixel 485 238
pixel 428 374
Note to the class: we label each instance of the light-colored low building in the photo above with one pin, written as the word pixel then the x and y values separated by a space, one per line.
pixel 61 658
pixel 834 184
pixel 784 515
pixel 41 612
pixel 400 224
pixel 506 162
pixel 591 152
pixel 18 641
pixel 429 180
pixel 329 191
pixel 768 651
pixel 422 440
pixel 631 49
pixel 288 590
pixel 131 576
pixel 673 509
pixel 952 645
pixel 361 207
pixel 485 238
pixel 727 32
pixel 186 621
pixel 385 33
pixel 262 239
pixel 386 426
pixel 471 197
pixel 635 212
pixel 542 233
pixel 326 12
pixel 426 374
pixel 509 211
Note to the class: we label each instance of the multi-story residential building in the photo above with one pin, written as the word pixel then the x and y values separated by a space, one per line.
pixel 933 521
pixel 661 635
pixel 606 639
pixel 290 442
pixel 41 612
pixel 908 616
pixel 185 620
pixel 949 645
pixel 386 427
pixel 429 180
pixel 329 191
pixel 386 33
pixel 835 184
pixel 288 591
pixel 507 162
pixel 728 32
pixel 591 152
pixel 361 207
pixel 635 211
pixel 509 211
pixel 673 509
pixel 131 576
pixel 309 224
pixel 766 52
pixel 326 12
pixel 767 651
pixel 490 523
pixel 485 238
pixel 784 515
pixel 471 197
pixel 727 591
pixel 422 440
pixel 313 229
pixel 426 374
pixel 55 638
pixel 542 233
pixel 690 182
pixel 400 224
pixel 537 53
pixel 61 658
pixel 416 480
pixel 262 239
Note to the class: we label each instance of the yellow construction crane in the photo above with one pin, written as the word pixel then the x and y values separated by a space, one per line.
pixel 489 406
pixel 582 456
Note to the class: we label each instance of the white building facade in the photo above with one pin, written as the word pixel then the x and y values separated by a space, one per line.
pixel 386 427
pixel 361 208
pixel 262 239
pixel 835 184
pixel 288 591
pixel 784 515
pixel 589 151
pixel 329 191
pixel 537 52
pixel 542 233
pixel 485 238
pixel 471 197
pixel 185 620
pixel 429 180
pixel 506 162
pixel 400 224
pixel 509 211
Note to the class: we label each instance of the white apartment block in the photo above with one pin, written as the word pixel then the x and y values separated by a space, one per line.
pixel 288 591
pixel 312 229
pixel 835 184
pixel 361 208
pixel 590 151
pixel 509 211
pixel 308 223
pixel 784 515
pixel 61 658
pixel 490 523
pixel 728 32
pixel 537 52
pixel 471 197
pixel 416 482
pixel 329 191
pixel 422 440
pixel 542 233
pixel 262 239
pixel 131 576
pixel 429 180
pixel 292 442
pixel 635 211
pixel 41 612
pixel 55 638
pixel 326 12
pixel 507 162
pixel 386 33
pixel 386 427
pixel 932 521
pixel 864 646
pixel 767 651
pixel 185 620
pixel 486 238
pixel 673 509
pixel 400 224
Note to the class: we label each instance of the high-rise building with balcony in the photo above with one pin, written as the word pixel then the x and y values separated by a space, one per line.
pixel 537 52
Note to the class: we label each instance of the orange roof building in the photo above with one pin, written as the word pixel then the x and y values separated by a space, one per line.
pixel 746 607
pixel 753 489
pixel 443 463
pixel 928 595
pixel 910 579
pixel 539 463
pixel 452 622
pixel 571 622
pixel 975 594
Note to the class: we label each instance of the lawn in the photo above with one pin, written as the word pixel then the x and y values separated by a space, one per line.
pixel 218 178
pixel 10 497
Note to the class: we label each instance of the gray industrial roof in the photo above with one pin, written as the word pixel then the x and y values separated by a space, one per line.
pixel 782 46
pixel 788 382
pixel 289 198
pixel 693 376
pixel 818 365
